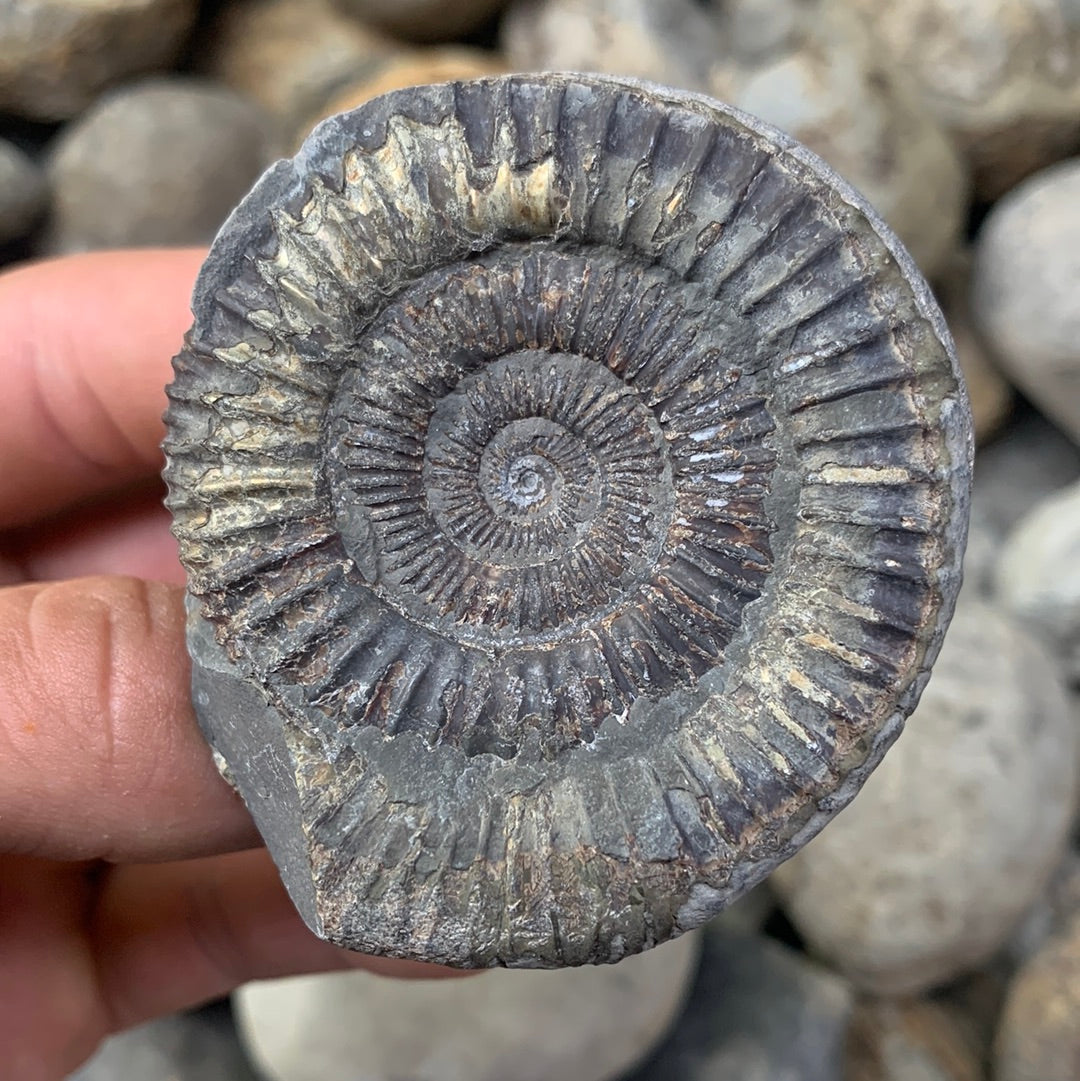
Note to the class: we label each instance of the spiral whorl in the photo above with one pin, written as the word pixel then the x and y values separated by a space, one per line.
pixel 571 477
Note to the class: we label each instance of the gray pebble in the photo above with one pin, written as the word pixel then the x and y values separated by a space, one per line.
pixel 575 1024
pixel 1037 576
pixel 672 42
pixel 160 162
pixel 1026 463
pixel 1024 284
pixel 22 193
pixel 1014 473
pixel 810 69
pixel 287 55
pixel 56 56
pixel 759 29
pixel 959 829
pixel 835 90
pixel 1002 75
pixel 758 1012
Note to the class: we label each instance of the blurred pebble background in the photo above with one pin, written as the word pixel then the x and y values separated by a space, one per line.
pixel 932 933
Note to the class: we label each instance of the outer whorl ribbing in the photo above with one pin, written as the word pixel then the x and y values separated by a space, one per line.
pixel 571 477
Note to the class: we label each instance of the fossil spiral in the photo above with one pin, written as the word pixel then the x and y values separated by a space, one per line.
pixel 571 478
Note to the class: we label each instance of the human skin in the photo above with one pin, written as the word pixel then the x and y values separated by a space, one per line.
pixel 130 884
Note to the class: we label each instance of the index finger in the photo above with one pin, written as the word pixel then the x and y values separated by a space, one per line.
pixel 85 349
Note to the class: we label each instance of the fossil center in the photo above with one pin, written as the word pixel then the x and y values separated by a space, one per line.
pixel 522 481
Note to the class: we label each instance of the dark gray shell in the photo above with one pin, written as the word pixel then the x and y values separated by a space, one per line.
pixel 571 477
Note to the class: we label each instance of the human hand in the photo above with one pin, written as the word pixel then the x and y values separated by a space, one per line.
pixel 129 884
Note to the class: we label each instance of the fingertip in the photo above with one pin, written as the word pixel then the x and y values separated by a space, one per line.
pixel 173 935
pixel 85 347
pixel 100 752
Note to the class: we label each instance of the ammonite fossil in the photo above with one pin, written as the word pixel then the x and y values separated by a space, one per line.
pixel 571 477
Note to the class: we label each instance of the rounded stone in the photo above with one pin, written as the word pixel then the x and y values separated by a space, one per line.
pixel 56 56
pixel 22 193
pixel 759 29
pixel 160 162
pixel 811 70
pixel 289 56
pixel 958 832
pixel 1029 461
pixel 396 69
pixel 1037 576
pixel 672 42
pixel 423 20
pixel 1039 1038
pixel 585 1024
pixel 1027 264
pixel 1003 76
pixel 571 478
pixel 836 90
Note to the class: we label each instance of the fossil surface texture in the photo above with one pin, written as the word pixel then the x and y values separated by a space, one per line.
pixel 571 476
